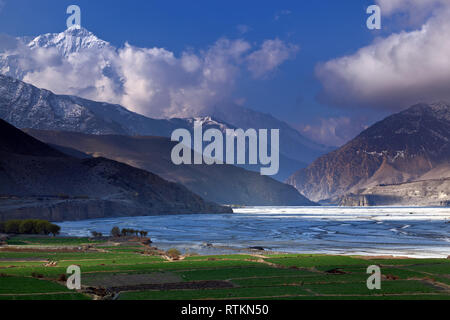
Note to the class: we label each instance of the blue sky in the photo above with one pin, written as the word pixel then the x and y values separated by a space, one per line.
pixel 323 30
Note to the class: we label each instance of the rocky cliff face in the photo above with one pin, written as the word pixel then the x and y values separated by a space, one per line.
pixel 417 193
pixel 365 200
pixel 64 187
pixel 399 149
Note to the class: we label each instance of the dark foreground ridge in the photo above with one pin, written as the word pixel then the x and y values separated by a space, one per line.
pixel 37 181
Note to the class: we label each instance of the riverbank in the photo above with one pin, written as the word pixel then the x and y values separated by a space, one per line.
pixel 411 232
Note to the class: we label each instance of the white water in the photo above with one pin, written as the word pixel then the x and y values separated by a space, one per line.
pixel 413 232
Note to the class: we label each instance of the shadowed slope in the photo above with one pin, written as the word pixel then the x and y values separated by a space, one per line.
pixel 219 183
pixel 38 181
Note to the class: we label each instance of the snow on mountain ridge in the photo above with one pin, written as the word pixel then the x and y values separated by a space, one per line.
pixel 26 106
pixel 208 121
pixel 22 57
pixel 69 41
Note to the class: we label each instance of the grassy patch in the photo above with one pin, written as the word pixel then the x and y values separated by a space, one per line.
pixel 27 240
pixel 235 273
pixel 310 261
pixel 387 287
pixel 300 280
pixel 212 293
pixel 21 285
pixel 440 269
pixel 67 296
pixel 287 276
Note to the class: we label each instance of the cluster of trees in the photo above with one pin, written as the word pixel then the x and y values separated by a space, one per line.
pixel 116 232
pixel 29 226
pixel 96 234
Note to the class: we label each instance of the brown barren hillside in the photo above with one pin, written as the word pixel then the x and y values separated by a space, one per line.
pixel 399 149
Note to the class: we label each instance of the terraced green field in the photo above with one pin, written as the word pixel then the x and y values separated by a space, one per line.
pixel 33 269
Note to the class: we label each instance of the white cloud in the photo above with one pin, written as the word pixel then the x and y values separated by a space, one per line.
pixel 157 83
pixel 151 81
pixel 271 55
pixel 390 7
pixel 413 12
pixel 83 73
pixel 394 72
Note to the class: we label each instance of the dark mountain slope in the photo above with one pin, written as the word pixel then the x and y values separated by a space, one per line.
pixel 219 183
pixel 40 182
pixel 17 142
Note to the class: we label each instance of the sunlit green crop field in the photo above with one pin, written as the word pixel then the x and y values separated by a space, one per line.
pixel 34 269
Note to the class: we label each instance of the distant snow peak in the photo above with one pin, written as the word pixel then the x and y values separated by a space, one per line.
pixel 208 120
pixel 71 40
pixel 215 153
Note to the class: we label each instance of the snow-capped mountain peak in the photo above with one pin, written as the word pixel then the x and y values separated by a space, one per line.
pixel 74 39
pixel 208 121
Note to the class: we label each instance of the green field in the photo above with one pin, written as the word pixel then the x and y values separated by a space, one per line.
pixel 32 269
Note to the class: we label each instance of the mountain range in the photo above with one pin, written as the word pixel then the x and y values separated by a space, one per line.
pixel 296 150
pixel 399 160
pixel 225 184
pixel 38 181
pixel 28 107
pixel 405 151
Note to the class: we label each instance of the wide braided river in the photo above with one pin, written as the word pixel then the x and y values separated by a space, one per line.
pixel 398 231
